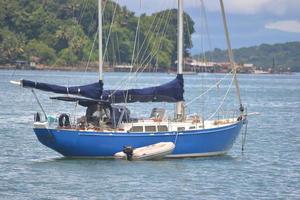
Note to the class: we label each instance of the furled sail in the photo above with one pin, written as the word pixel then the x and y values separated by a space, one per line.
pixel 168 92
pixel 93 91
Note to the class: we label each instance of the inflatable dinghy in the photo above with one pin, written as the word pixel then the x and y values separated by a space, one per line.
pixel 152 152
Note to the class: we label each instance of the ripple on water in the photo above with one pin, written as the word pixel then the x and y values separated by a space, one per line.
pixel 268 169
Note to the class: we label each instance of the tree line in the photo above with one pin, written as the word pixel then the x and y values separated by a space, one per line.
pixel 63 32
pixel 284 56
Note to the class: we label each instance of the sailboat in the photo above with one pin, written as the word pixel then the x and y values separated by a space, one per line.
pixel 108 127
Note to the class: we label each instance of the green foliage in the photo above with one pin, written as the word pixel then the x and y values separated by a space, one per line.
pixel 11 46
pixel 285 55
pixel 67 57
pixel 63 32
pixel 37 50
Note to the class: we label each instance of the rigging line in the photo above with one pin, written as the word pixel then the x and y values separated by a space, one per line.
pixel 110 28
pixel 129 79
pixel 75 34
pixel 75 113
pixel 142 50
pixel 113 51
pixel 118 48
pixel 202 38
pixel 77 20
pixel 189 34
pixel 107 37
pixel 230 55
pixel 148 63
pixel 154 34
pixel 14 72
pixel 245 133
pixel 118 85
pixel 139 32
pixel 135 39
pixel 134 75
pixel 94 42
pixel 147 34
pixel 160 43
pixel 39 103
pixel 223 100
pixel 202 29
pixel 131 76
pixel 203 60
pixel 176 137
pixel 92 20
pixel 206 25
pixel 133 52
pixel 207 33
pixel 163 31
pixel 154 51
pixel 199 55
pixel 90 54
pixel 209 89
pixel 82 11
pixel 136 35
pixel 188 29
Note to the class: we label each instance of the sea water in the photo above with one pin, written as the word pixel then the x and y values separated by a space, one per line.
pixel 269 168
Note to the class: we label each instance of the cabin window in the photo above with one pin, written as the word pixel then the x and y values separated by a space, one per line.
pixel 180 128
pixel 150 128
pixel 192 127
pixel 136 129
pixel 162 128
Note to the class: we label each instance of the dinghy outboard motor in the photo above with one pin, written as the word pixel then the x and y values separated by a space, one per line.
pixel 128 150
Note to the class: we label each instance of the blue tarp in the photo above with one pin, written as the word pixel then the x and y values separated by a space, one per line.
pixel 93 91
pixel 168 92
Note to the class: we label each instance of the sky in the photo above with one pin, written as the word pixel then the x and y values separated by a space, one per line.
pixel 250 22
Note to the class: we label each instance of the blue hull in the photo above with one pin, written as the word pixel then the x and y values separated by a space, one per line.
pixel 72 143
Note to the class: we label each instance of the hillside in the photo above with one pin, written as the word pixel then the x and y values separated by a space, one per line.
pixel 286 55
pixel 62 33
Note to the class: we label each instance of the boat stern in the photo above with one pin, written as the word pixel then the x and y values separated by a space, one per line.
pixel 44 134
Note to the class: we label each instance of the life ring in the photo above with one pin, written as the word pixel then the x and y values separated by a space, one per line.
pixel 64 120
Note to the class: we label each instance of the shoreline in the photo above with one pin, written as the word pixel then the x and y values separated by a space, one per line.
pixel 51 68
pixel 81 68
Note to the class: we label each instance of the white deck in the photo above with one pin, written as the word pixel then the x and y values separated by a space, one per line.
pixel 152 125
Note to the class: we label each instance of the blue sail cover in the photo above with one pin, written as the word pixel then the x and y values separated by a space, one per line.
pixel 168 92
pixel 93 91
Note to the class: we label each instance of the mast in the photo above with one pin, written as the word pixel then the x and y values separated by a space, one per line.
pixel 180 105
pixel 230 55
pixel 100 40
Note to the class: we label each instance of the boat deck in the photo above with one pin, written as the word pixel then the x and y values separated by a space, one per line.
pixel 149 125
